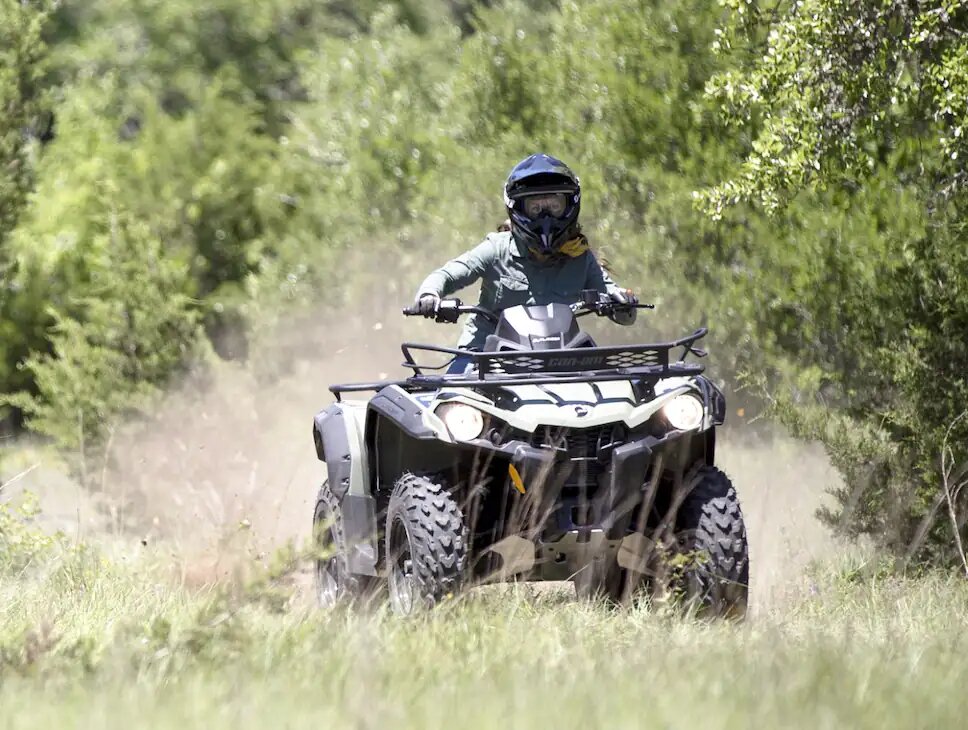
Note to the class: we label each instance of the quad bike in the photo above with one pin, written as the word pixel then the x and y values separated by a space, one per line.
pixel 544 457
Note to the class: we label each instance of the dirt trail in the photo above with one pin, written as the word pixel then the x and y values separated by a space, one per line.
pixel 781 482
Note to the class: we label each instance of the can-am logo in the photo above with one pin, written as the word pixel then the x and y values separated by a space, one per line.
pixel 576 362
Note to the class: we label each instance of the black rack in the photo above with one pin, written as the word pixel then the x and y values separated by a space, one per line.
pixel 544 367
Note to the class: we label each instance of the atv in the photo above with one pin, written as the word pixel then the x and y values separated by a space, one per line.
pixel 541 457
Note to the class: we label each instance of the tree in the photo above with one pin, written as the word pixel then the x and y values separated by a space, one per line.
pixel 132 326
pixel 22 56
pixel 22 122
pixel 836 86
pixel 867 101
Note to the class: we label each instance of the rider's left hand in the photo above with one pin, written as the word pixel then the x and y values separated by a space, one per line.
pixel 624 297
pixel 623 309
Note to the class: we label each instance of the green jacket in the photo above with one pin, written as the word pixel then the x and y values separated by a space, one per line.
pixel 510 278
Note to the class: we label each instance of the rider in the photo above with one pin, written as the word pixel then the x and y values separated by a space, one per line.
pixel 544 258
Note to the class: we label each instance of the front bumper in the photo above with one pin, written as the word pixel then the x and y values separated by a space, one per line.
pixel 555 528
pixel 616 491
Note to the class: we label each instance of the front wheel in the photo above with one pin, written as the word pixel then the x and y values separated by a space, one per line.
pixel 711 537
pixel 426 544
pixel 334 583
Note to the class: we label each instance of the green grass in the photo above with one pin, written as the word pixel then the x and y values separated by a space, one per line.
pixel 91 642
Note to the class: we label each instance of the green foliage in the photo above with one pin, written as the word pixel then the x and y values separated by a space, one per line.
pixel 856 98
pixel 183 189
pixel 132 326
pixel 22 121
pixel 166 114
pixel 368 157
pixel 22 57
pixel 22 542
pixel 255 191
pixel 836 85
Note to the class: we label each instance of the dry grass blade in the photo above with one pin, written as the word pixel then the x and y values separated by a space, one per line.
pixel 18 477
pixel 952 492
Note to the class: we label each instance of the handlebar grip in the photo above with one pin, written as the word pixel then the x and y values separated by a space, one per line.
pixel 410 312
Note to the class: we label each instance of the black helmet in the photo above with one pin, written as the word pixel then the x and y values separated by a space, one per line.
pixel 543 197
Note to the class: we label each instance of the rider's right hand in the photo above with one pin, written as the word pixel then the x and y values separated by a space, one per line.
pixel 426 304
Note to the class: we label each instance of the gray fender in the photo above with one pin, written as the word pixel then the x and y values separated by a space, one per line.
pixel 338 435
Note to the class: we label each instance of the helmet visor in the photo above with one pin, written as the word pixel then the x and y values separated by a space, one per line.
pixel 553 204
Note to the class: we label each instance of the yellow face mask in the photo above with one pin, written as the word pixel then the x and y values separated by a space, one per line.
pixel 573 248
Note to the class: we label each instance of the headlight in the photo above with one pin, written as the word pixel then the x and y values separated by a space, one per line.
pixel 684 412
pixel 463 422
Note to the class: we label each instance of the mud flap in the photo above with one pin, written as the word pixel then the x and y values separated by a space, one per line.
pixel 630 464
pixel 360 533
pixel 337 444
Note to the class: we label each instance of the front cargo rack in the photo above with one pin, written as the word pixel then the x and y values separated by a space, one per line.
pixel 543 367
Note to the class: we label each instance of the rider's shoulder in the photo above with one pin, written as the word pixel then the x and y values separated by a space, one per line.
pixel 500 242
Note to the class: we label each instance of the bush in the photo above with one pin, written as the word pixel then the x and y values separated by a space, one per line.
pixel 881 309
pixel 133 327
pixel 22 542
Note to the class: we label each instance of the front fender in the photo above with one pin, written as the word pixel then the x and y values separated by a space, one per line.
pixel 338 435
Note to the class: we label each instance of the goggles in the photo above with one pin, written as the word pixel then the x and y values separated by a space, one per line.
pixel 553 204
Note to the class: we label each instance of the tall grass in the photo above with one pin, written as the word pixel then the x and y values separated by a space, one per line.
pixel 88 641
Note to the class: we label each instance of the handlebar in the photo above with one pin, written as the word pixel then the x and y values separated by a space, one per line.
pixel 593 302
pixel 449 310
pixel 603 305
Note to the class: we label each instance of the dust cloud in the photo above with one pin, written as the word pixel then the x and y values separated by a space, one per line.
pixel 240 452
pixel 781 483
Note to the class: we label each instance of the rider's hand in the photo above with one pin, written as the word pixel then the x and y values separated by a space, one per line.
pixel 426 304
pixel 625 297
pixel 623 311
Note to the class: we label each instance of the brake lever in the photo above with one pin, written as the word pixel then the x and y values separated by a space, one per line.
pixel 602 308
